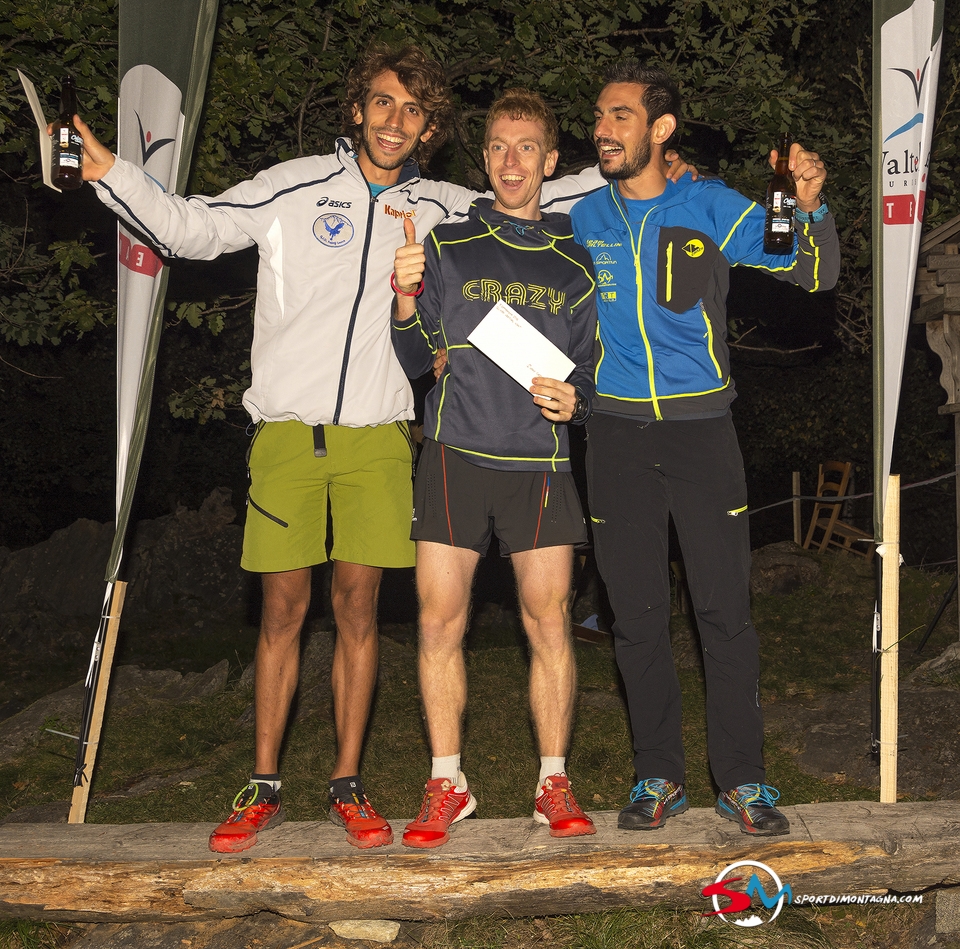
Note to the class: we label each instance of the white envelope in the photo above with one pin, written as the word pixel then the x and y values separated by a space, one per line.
pixel 518 348
pixel 46 148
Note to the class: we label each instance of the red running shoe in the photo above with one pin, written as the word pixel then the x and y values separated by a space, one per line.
pixel 556 806
pixel 364 826
pixel 443 805
pixel 239 831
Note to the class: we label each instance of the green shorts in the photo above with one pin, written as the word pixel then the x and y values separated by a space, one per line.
pixel 366 475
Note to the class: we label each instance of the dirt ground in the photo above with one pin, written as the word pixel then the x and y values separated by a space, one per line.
pixel 830 739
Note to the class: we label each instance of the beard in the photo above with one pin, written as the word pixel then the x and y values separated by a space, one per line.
pixel 631 166
pixel 384 162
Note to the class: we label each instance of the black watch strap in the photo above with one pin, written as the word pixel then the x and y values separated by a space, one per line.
pixel 581 408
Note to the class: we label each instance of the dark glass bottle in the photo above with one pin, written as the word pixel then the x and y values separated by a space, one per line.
pixel 781 203
pixel 67 141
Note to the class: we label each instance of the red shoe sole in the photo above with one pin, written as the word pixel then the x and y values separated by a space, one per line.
pixel 425 844
pixel 232 844
pixel 578 830
pixel 378 839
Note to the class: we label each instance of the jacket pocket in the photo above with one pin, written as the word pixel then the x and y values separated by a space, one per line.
pixel 686 261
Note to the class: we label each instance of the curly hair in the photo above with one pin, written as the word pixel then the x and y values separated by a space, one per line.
pixel 421 76
pixel 524 104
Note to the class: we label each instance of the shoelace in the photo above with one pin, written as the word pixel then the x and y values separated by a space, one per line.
pixel 434 804
pixel 762 794
pixel 355 809
pixel 247 798
pixel 558 799
pixel 650 787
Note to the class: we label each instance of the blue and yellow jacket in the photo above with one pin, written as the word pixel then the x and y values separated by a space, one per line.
pixel 476 408
pixel 663 274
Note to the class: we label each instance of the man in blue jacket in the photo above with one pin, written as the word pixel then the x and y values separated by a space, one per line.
pixel 661 441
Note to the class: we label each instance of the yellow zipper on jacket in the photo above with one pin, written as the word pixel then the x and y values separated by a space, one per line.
pixel 635 246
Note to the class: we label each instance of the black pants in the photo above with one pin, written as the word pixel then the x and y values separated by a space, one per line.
pixel 639 473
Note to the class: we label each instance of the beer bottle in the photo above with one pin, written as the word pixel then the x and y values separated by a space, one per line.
pixel 781 203
pixel 67 141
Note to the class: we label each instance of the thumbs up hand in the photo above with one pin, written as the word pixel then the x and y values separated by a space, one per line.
pixel 408 262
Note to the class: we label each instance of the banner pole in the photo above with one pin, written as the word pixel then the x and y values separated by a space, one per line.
pixel 81 791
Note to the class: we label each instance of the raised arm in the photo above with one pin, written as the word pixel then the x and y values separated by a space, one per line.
pixel 414 337
pixel 177 226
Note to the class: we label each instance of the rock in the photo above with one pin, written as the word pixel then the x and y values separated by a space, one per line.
pixel 62 575
pixel 61 710
pixel 377 930
pixel 832 736
pixel 128 685
pixel 782 568
pixel 53 812
pixel 187 561
pixel 948 911
pixel 937 670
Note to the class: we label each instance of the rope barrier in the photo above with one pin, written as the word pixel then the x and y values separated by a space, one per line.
pixel 847 497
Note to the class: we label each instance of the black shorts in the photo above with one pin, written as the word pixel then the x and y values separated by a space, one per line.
pixel 463 505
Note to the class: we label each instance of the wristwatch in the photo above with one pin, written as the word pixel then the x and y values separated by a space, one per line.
pixel 581 408
pixel 813 217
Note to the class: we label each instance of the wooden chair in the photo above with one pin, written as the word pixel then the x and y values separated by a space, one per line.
pixel 832 480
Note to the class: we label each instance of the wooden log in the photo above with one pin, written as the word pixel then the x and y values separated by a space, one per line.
pixel 936 309
pixel 307 871
pixel 946 264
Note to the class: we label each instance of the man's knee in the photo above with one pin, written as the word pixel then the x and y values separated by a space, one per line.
pixel 286 598
pixel 353 594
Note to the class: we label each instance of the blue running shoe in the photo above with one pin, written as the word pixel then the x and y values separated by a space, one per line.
pixel 652 801
pixel 752 807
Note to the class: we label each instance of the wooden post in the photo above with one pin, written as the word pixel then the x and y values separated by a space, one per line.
pixel 890 636
pixel 797 539
pixel 81 793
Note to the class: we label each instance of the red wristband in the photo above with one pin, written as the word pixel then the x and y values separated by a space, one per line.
pixel 403 293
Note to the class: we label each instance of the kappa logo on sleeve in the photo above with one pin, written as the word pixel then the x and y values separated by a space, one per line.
pixel 333 230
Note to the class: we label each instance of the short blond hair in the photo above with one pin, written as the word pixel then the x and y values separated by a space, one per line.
pixel 524 104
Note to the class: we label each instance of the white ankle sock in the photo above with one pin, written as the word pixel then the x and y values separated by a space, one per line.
pixel 446 767
pixel 550 765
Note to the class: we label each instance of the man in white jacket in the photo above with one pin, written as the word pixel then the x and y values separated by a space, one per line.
pixel 329 399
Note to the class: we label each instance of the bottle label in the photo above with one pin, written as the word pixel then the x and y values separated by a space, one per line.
pixel 64 137
pixel 783 202
pixel 781 225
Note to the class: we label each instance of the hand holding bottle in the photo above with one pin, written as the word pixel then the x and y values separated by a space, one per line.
pixel 809 174
pixel 97 159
